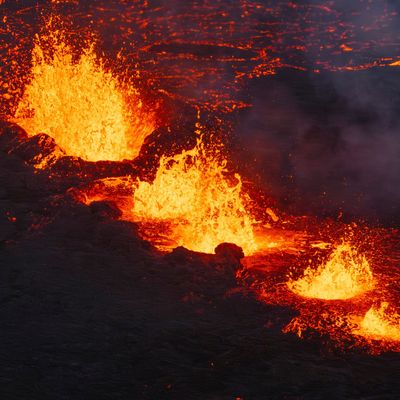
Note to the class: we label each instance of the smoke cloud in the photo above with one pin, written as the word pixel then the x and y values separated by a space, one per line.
pixel 329 142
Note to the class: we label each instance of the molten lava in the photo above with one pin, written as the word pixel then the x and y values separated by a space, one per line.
pixel 89 112
pixel 191 190
pixel 346 274
pixel 194 201
pixel 380 324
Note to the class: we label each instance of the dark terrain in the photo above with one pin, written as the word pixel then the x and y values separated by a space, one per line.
pixel 90 311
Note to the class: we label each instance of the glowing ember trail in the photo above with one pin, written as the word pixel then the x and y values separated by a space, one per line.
pixel 88 111
pixel 380 324
pixel 346 274
pixel 192 192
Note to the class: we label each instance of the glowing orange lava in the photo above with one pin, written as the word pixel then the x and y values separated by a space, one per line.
pixel 346 274
pixel 89 112
pixel 395 64
pixel 191 190
pixel 380 323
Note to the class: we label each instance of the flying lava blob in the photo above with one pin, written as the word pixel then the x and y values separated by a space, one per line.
pixel 74 99
pixel 345 274
pixel 192 191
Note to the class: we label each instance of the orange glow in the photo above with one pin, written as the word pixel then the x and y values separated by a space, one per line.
pixel 395 64
pixel 64 1
pixel 191 190
pixel 346 48
pixel 117 190
pixel 346 274
pixel 89 112
pixel 380 323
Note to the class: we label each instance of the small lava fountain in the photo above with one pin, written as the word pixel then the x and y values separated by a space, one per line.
pixel 346 274
pixel 380 323
pixel 192 191
pixel 73 98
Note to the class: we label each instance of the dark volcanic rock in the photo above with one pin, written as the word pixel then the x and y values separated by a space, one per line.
pixel 230 251
pixel 38 149
pixel 105 209
pixel 88 310
pixel 41 150
pixel 7 228
pixel 11 135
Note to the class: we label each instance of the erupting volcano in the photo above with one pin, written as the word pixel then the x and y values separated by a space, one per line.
pixel 199 199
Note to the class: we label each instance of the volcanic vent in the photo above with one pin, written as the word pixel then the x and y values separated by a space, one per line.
pixel 71 96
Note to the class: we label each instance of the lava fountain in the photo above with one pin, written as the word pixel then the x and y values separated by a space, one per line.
pixel 193 192
pixel 73 98
pixel 345 274
pixel 380 323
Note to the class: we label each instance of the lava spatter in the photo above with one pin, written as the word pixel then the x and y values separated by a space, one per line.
pixel 191 191
pixel 344 275
pixel 380 323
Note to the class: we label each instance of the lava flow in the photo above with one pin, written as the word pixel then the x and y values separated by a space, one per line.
pixel 73 98
pixel 191 190
pixel 346 274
